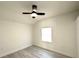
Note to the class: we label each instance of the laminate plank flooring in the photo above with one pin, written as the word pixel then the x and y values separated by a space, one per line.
pixel 35 52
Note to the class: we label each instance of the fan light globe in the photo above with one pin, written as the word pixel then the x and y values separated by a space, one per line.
pixel 33 14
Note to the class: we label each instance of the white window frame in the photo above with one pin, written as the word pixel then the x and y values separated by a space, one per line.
pixel 43 38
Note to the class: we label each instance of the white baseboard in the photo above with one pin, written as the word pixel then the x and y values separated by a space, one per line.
pixel 7 53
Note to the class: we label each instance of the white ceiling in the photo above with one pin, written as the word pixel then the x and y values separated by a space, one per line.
pixel 12 11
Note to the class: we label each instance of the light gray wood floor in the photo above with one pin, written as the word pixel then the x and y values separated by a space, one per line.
pixel 35 52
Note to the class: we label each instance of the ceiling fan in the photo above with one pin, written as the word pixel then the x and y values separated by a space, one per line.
pixel 34 12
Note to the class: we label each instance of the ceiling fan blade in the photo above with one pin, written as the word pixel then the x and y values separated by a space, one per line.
pixel 26 13
pixel 34 7
pixel 40 13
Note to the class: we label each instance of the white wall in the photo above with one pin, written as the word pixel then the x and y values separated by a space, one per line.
pixel 77 32
pixel 14 36
pixel 63 34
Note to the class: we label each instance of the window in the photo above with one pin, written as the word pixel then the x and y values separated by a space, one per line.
pixel 46 34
